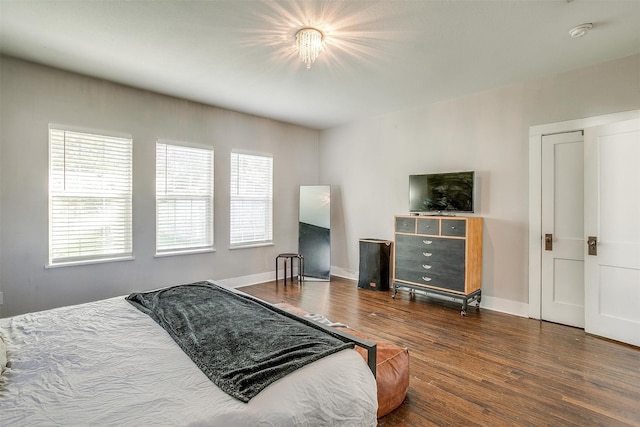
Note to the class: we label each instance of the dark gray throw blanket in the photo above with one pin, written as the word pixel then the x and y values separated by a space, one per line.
pixel 240 343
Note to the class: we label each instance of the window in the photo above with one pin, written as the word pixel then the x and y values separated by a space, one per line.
pixel 89 197
pixel 184 198
pixel 251 199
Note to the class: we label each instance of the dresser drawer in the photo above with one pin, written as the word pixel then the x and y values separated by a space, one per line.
pixel 440 268
pixel 454 228
pixel 419 247
pixel 429 226
pixel 407 257
pixel 451 280
pixel 406 225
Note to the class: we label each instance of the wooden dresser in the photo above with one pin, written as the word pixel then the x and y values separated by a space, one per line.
pixel 440 255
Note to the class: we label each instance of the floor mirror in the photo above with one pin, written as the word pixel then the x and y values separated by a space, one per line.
pixel 314 230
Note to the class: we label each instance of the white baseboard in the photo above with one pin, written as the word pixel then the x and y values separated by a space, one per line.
pixel 505 306
pixel 345 274
pixel 254 279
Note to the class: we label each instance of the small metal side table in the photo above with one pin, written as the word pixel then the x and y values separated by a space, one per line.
pixel 289 257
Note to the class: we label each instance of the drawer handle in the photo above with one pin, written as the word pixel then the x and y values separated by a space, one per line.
pixel 453 227
pixel 426 266
pixel 427 242
pixel 427 253
pixel 426 279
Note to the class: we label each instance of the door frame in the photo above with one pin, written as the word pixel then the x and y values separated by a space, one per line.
pixel 535 193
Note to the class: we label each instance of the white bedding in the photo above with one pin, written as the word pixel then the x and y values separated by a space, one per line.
pixel 107 363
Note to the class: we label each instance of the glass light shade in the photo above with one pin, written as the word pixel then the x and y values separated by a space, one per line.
pixel 309 44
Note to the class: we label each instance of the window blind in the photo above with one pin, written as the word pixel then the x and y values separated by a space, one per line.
pixel 184 198
pixel 90 192
pixel 251 199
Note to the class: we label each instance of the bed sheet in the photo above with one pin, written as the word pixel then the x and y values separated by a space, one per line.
pixel 106 363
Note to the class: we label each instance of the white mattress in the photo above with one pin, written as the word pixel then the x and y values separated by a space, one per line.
pixel 106 363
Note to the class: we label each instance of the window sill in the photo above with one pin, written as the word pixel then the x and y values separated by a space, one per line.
pixel 89 262
pixel 186 252
pixel 251 245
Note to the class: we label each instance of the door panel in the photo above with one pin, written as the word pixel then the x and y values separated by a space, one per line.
pixel 569 273
pixel 618 290
pixel 562 299
pixel 612 214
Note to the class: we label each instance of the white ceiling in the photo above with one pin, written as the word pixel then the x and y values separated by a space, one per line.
pixel 379 56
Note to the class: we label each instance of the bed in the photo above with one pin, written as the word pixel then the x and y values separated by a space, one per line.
pixel 109 363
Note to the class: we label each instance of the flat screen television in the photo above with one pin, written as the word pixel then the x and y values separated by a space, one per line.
pixel 441 192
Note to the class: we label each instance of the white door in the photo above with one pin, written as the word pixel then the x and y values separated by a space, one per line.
pixel 562 298
pixel 612 216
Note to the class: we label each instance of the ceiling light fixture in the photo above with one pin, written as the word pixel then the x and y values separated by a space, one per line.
pixel 580 30
pixel 309 44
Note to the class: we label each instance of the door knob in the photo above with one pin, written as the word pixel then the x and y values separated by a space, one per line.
pixel 548 242
pixel 592 241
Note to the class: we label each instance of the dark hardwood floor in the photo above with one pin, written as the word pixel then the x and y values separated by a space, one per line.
pixel 489 368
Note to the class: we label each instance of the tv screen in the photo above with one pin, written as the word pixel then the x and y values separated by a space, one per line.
pixel 441 192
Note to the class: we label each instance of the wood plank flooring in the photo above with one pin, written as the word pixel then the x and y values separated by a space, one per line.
pixel 489 368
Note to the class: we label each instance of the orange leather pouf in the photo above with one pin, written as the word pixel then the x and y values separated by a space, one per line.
pixel 392 372
pixel 392 367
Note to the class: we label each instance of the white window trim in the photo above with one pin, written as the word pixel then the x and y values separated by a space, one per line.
pixel 85 260
pixel 255 243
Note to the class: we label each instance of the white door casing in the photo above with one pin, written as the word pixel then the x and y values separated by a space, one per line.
pixel 612 215
pixel 536 234
pixel 562 298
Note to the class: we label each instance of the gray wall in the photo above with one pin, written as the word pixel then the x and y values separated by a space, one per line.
pixel 367 163
pixel 32 96
pixel 370 161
